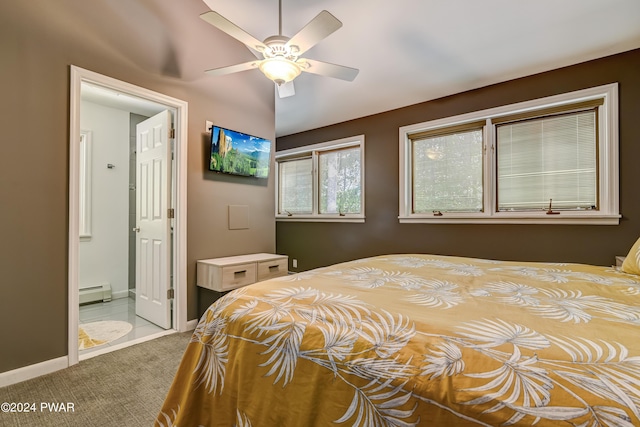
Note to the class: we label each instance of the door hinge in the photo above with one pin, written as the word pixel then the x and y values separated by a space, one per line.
pixel 171 213
pixel 170 294
pixel 172 133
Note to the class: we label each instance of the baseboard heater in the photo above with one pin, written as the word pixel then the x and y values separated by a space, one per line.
pixel 95 293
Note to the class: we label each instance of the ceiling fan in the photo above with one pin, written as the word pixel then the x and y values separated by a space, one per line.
pixel 281 55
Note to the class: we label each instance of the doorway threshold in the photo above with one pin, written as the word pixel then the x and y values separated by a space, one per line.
pixel 110 348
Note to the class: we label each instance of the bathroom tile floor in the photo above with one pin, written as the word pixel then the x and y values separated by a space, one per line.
pixel 118 309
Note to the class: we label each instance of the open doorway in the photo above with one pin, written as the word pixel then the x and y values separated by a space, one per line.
pixel 127 213
pixel 125 172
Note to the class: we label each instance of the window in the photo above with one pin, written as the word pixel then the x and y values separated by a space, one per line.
pixel 321 182
pixel 447 170
pixel 548 159
pixel 551 160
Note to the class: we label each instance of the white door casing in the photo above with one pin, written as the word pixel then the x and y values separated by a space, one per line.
pixel 79 76
pixel 153 200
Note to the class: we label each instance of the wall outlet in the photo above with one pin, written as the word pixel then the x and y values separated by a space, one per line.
pixel 294 263
pixel 208 125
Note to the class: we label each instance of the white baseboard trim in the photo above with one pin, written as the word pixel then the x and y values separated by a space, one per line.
pixel 120 294
pixel 32 371
pixel 191 324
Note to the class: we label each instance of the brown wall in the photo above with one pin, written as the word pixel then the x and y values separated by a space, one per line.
pixel 39 40
pixel 319 244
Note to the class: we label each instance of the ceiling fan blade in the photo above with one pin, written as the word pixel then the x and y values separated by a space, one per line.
pixel 223 24
pixel 317 29
pixel 330 70
pixel 233 68
pixel 286 90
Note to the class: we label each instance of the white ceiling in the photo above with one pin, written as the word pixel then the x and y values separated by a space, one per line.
pixel 410 51
pixel 114 99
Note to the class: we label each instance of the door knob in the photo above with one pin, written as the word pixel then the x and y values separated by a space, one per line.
pixel 136 229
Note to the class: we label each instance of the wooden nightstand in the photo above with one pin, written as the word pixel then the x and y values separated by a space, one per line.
pixel 620 260
pixel 225 274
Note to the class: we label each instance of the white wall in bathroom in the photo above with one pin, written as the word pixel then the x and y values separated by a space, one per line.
pixel 104 258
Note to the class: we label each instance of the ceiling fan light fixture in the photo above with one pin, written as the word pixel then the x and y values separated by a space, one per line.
pixel 280 70
pixel 282 61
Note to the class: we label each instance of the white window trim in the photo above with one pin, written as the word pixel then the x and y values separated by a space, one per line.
pixel 313 150
pixel 608 182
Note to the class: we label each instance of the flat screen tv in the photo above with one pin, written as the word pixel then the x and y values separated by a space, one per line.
pixel 237 153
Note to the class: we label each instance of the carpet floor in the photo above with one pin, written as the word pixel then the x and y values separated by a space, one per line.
pixel 123 388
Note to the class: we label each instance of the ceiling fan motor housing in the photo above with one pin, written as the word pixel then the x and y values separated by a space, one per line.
pixel 277 47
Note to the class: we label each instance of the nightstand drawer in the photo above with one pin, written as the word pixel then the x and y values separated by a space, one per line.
pixel 227 273
pixel 236 276
pixel 273 268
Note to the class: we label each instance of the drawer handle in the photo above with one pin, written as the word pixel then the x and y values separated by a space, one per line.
pixel 272 267
pixel 237 273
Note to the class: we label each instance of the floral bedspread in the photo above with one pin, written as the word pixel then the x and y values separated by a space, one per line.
pixel 407 340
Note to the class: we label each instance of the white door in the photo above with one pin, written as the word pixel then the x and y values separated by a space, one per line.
pixel 153 200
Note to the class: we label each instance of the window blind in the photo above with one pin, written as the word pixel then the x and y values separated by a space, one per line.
pixel 295 186
pixel 548 158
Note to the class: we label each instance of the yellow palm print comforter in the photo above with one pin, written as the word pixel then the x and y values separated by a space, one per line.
pixel 407 340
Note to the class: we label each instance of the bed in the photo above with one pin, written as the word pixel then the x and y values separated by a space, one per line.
pixel 412 339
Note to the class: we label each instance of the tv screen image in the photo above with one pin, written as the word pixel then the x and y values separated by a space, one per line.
pixel 238 153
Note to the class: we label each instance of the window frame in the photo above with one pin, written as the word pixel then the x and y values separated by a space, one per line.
pixel 314 151
pixel 608 176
